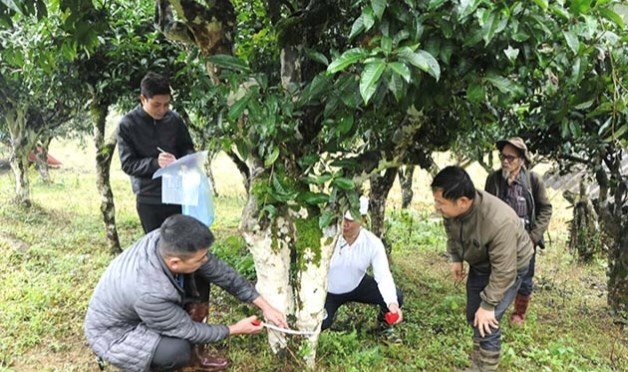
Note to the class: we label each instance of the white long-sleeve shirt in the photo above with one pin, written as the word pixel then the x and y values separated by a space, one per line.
pixel 350 262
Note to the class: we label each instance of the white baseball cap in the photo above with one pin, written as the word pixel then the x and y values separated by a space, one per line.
pixel 364 208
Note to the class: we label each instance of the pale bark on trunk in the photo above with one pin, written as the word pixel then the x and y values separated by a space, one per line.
pixel 313 292
pixel 19 166
pixel 272 263
pixel 104 155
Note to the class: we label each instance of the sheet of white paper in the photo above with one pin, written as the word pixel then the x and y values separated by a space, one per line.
pixel 180 180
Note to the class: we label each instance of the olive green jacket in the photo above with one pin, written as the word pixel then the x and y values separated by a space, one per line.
pixel 490 237
pixel 539 206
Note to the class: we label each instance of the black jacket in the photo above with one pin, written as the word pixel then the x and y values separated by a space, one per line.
pixel 139 135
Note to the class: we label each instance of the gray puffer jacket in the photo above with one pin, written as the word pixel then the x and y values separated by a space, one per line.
pixel 137 300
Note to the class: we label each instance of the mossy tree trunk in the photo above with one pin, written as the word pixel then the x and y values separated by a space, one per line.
pixel 104 155
pixel 405 181
pixel 22 141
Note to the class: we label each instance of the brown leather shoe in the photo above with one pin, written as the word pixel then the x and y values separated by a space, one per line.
pixel 198 311
pixel 203 361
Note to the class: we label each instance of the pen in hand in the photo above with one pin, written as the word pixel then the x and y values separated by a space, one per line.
pixel 160 149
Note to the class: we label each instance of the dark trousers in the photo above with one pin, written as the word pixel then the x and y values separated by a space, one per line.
pixel 366 292
pixel 476 283
pixel 526 283
pixel 170 354
pixel 153 215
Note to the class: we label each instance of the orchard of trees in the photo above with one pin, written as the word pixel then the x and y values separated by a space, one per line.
pixel 314 99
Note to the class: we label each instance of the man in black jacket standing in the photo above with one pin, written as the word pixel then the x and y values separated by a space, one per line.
pixel 151 137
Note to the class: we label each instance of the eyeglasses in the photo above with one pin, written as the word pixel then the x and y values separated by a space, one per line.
pixel 509 158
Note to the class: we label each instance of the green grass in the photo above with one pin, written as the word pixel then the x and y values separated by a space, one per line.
pixel 54 253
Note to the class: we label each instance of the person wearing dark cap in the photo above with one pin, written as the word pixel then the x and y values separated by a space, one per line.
pixel 355 251
pixel 525 192
pixel 486 233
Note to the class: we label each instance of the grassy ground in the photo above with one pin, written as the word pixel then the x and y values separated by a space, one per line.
pixel 54 254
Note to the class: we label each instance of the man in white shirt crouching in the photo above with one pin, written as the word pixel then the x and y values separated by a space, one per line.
pixel 355 251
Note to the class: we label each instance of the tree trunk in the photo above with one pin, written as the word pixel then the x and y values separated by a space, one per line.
pixel 272 262
pixel 41 159
pixel 104 154
pixel 584 238
pixel 614 221
pixel 19 166
pixel 405 180
pixel 20 147
pixel 618 274
pixel 313 290
pixel 380 187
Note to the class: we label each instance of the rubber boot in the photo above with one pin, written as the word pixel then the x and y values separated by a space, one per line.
pixel 475 356
pixel 202 360
pixel 519 313
pixel 489 360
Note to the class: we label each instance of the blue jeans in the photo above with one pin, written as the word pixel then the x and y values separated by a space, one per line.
pixel 476 282
pixel 526 283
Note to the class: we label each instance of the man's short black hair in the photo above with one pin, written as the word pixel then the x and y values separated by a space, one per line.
pixel 455 183
pixel 183 236
pixel 154 84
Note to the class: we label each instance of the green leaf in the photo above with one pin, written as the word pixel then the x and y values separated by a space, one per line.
pixel 229 62
pixel 347 58
pixel 619 133
pixel 612 16
pixel 343 183
pixel 370 78
pixel 511 53
pixel 560 11
pixel 572 41
pixel 319 180
pixel 378 8
pixel 243 148
pixel 395 85
pixel 357 28
pixel 236 110
pixel 401 69
pixel 467 7
pixel 325 219
pixel 580 6
pixel 344 125
pixel 435 4
pixel 386 44
pixel 315 88
pixel 433 68
pixel 490 26
pixel 504 85
pixel 315 198
pixel 421 59
pixel 368 17
pixel 270 160
pixel 541 3
pixel 476 92
pixel 316 56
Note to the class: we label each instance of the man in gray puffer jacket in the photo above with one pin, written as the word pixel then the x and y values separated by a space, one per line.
pixel 136 318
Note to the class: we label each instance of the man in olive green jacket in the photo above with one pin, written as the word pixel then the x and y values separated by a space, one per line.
pixel 488 234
